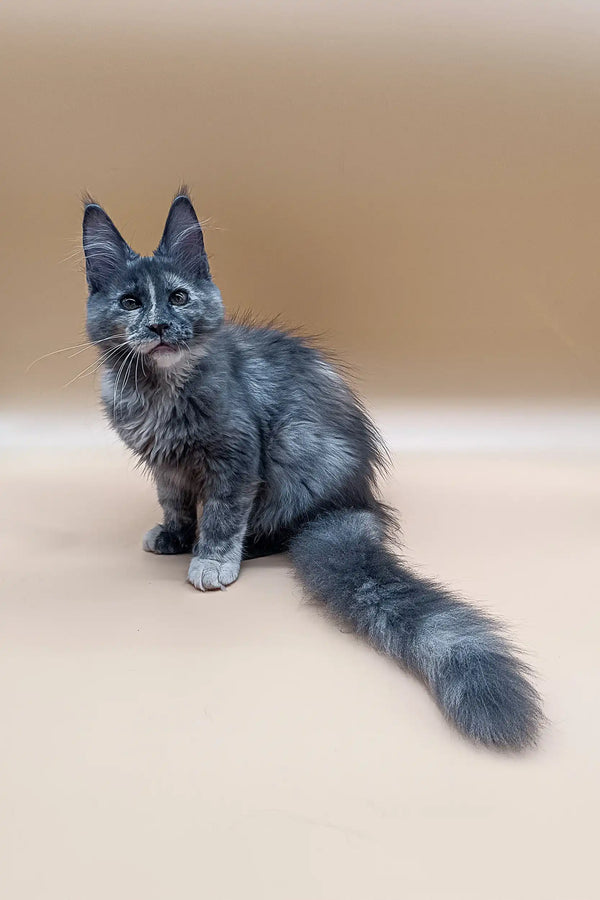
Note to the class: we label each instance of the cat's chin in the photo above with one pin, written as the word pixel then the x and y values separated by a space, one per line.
pixel 164 357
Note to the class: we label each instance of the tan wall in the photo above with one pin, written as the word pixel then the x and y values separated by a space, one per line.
pixel 419 180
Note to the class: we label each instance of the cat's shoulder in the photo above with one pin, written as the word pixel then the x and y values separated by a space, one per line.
pixel 270 338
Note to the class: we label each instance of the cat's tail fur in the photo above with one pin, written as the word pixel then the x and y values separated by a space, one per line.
pixel 476 677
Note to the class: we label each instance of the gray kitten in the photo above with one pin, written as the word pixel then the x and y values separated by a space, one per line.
pixel 257 445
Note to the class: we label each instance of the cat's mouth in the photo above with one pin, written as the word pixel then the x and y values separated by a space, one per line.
pixel 163 350
pixel 162 353
pixel 158 348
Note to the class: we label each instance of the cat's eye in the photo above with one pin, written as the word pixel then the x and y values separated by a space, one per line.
pixel 179 297
pixel 130 303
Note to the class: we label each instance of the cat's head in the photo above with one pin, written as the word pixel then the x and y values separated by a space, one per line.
pixel 161 306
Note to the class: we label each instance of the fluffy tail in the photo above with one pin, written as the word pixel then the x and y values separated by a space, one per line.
pixel 474 674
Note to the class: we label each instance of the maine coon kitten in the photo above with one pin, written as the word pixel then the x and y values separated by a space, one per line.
pixel 257 445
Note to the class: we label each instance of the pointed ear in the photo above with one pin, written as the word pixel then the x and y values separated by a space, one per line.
pixel 182 239
pixel 106 253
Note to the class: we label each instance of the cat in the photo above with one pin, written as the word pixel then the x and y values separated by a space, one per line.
pixel 257 445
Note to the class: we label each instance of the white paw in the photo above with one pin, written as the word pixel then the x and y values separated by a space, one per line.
pixel 149 542
pixel 212 575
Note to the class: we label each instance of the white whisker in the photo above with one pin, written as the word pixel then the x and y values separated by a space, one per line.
pixel 126 376
pixel 64 350
pixel 117 383
pixel 97 364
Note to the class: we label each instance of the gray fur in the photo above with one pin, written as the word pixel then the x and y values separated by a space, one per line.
pixel 257 445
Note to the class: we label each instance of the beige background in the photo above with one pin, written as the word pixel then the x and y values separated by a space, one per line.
pixel 418 181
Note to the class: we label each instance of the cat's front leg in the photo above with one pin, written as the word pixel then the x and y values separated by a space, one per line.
pixel 218 552
pixel 177 532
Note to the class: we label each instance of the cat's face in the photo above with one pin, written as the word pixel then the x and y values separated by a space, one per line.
pixel 162 307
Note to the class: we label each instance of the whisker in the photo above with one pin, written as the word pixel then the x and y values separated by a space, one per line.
pixel 79 352
pixel 126 376
pixel 64 350
pixel 139 359
pixel 117 383
pixel 89 370
pixel 97 364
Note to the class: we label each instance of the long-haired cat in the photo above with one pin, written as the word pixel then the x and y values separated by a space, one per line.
pixel 257 445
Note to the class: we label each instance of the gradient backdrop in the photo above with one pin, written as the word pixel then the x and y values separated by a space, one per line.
pixel 417 181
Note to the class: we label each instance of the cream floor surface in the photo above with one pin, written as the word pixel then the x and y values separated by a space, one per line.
pixel 161 743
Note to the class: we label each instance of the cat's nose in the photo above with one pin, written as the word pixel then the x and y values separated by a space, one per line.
pixel 159 328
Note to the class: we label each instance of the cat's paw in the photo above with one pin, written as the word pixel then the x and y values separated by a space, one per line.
pixel 212 575
pixel 165 541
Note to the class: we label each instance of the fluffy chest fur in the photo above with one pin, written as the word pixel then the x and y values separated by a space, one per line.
pixel 157 425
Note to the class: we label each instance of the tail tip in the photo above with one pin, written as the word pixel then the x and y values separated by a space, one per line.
pixel 494 704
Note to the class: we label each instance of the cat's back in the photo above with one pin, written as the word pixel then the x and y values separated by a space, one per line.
pixel 318 445
pixel 303 397
pixel 276 360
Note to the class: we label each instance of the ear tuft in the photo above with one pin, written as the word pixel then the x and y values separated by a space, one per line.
pixel 182 191
pixel 88 200
pixel 182 240
pixel 106 253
